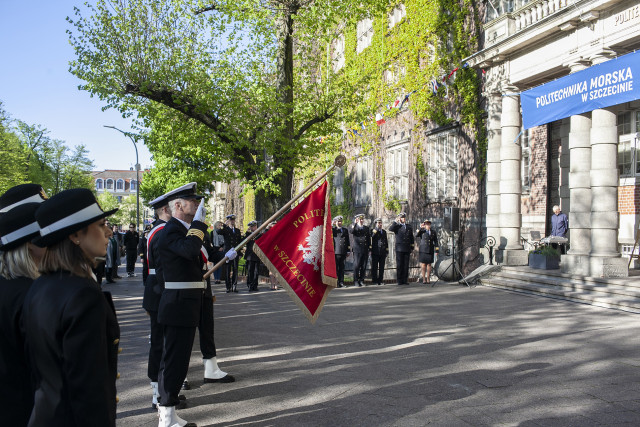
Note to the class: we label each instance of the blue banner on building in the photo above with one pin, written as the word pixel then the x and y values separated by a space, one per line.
pixel 603 85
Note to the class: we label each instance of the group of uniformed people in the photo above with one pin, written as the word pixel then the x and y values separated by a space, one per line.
pixel 60 336
pixel 373 241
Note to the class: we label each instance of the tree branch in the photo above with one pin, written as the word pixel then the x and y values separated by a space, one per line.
pixel 318 119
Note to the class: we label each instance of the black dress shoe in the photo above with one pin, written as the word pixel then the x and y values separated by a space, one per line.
pixel 340 285
pixel 182 397
pixel 226 379
pixel 359 284
pixel 185 385
pixel 182 404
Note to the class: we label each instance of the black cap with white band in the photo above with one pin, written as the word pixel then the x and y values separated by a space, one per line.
pixel 18 226
pixel 67 212
pixel 20 194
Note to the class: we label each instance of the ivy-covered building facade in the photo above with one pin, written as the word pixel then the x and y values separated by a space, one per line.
pixel 586 163
pixel 417 143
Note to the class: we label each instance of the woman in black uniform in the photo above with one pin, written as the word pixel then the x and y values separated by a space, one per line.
pixel 428 242
pixel 72 333
pixel 18 268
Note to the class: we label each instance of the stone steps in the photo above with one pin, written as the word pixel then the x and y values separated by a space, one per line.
pixel 620 294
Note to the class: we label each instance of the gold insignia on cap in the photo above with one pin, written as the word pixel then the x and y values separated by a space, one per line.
pixel 43 194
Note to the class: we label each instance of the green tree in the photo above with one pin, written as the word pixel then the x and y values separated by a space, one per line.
pixel 227 89
pixel 12 157
pixel 126 209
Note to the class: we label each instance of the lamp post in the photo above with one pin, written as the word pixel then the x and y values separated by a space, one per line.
pixel 135 145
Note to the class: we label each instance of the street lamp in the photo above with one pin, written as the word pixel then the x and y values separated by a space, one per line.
pixel 135 145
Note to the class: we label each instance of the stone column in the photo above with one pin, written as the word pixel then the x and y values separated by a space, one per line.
pixel 510 179
pixel 565 161
pixel 605 259
pixel 494 101
pixel 577 259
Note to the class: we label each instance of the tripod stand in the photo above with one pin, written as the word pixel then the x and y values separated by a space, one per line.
pixel 456 269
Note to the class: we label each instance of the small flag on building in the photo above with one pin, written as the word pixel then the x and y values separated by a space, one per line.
pixel 298 250
pixel 380 119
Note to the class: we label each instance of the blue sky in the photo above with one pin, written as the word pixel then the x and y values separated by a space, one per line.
pixel 36 86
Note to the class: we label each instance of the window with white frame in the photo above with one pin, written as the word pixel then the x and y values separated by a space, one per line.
pixel 338 184
pixel 109 184
pixel 396 15
pixel 628 143
pixel 120 185
pixel 364 181
pixel 397 172
pixel 337 55
pixel 364 34
pixel 526 160
pixel 442 181
pixel 99 184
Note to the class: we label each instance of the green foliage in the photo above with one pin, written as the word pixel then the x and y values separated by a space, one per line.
pixel 546 250
pixel 28 154
pixel 126 209
pixel 223 94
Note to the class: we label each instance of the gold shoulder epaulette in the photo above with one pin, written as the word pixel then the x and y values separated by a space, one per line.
pixel 195 232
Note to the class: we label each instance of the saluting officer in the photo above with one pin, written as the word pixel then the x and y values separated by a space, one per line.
pixel 428 246
pixel 153 287
pixel 379 251
pixel 341 246
pixel 404 246
pixel 180 305
pixel 361 246
pixel 253 261
pixel 232 237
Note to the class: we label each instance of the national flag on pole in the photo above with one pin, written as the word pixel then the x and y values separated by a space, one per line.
pixel 396 102
pixel 380 119
pixel 298 250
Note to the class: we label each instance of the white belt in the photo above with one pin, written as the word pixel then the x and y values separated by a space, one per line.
pixel 152 271
pixel 185 285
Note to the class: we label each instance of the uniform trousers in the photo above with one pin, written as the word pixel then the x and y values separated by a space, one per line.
pixel 402 267
pixel 131 260
pixel 205 329
pixel 359 266
pixel 252 274
pixel 377 268
pixel 176 352
pixel 155 350
pixel 231 276
pixel 340 259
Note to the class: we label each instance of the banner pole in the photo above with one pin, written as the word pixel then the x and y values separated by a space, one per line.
pixel 339 161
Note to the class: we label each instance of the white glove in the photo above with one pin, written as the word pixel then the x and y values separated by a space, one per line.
pixel 231 254
pixel 201 213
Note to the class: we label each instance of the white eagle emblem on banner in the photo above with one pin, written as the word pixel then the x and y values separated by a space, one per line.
pixel 311 254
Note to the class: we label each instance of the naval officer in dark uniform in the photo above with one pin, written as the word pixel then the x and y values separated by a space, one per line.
pixel 153 287
pixel 180 305
pixel 360 248
pixel 404 246
pixel 427 247
pixel 232 237
pixel 379 251
pixel 341 247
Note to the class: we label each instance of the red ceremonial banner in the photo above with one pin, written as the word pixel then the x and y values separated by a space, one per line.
pixel 299 251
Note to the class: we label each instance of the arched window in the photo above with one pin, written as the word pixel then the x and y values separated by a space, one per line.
pixel 109 184
pixel 120 185
pixel 99 184
pixel 133 186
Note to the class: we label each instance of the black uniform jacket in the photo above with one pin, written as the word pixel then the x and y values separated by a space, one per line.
pixel 154 285
pixel 427 241
pixel 361 238
pixel 72 338
pixel 16 394
pixel 181 262
pixel 232 237
pixel 131 239
pixel 249 254
pixel 379 242
pixel 341 244
pixel 404 236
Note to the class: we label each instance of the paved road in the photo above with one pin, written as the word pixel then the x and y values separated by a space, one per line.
pixel 399 356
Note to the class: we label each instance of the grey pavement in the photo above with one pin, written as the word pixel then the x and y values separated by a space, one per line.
pixel 398 356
